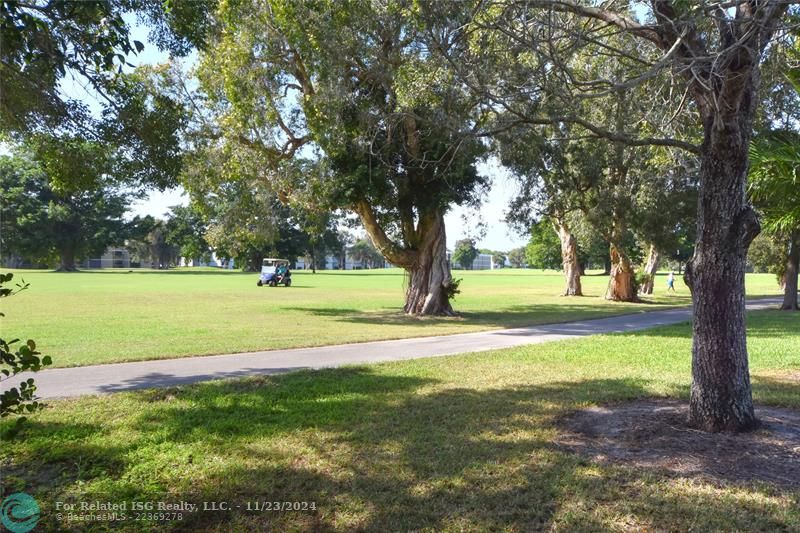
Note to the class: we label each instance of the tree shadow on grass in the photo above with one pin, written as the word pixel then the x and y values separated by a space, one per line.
pixel 375 452
pixel 351 273
pixel 781 391
pixel 510 317
pixel 761 323
pixel 122 271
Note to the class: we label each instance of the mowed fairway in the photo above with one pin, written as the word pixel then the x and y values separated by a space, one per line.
pixel 110 316
pixel 460 443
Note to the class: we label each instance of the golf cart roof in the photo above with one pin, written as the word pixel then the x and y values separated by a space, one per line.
pixel 275 260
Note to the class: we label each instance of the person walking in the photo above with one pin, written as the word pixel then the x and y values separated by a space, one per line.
pixel 671 282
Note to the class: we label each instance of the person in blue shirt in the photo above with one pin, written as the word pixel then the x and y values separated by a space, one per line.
pixel 281 271
pixel 671 282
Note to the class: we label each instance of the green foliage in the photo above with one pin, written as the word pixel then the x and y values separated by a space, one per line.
pixel 464 253
pixel 499 259
pixel 70 162
pixel 625 193
pixel 41 221
pixel 245 219
pixel 152 244
pixel 15 358
pixel 364 252
pixel 355 86
pixel 145 131
pixel 185 229
pixel 517 257
pixel 487 421
pixel 768 253
pixel 774 180
pixel 453 288
pixel 544 248
pixel 44 43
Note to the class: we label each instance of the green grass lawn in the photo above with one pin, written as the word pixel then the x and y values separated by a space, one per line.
pixel 455 443
pixel 110 316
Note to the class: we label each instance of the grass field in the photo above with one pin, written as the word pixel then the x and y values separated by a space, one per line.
pixel 110 316
pixel 453 443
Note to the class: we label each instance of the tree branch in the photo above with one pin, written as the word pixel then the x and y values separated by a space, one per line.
pixel 395 254
pixel 615 19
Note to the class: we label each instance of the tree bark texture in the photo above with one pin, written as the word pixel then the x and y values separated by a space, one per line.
pixel 607 266
pixel 723 83
pixel 721 398
pixel 650 270
pixel 67 261
pixel 792 267
pixel 424 258
pixel 429 277
pixel 621 285
pixel 569 260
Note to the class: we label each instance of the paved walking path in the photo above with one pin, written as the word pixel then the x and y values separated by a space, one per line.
pixel 101 379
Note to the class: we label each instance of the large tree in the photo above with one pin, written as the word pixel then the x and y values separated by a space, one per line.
pixel 465 253
pixel 517 258
pixel 775 188
pixel 355 86
pixel 42 222
pixel 365 253
pixel 49 44
pixel 713 52
pixel 186 229
pixel 544 249
pixel 665 204
pixel 50 48
pixel 564 168
pixel 774 181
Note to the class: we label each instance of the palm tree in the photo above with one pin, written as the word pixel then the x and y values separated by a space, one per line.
pixel 774 188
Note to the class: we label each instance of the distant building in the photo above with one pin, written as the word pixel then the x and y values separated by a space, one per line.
pixel 333 262
pixel 481 262
pixel 214 261
pixel 112 258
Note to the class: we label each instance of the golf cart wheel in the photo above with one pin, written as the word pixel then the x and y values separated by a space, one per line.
pixel 259 283
pixel 272 283
pixel 288 283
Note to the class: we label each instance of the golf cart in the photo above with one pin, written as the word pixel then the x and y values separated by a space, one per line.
pixel 275 272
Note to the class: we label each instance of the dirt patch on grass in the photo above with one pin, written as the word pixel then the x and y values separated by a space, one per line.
pixel 653 434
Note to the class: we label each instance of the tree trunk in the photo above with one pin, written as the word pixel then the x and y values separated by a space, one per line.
pixel 429 276
pixel 621 286
pixel 790 287
pixel 423 255
pixel 650 270
pixel 607 266
pixel 721 398
pixel 67 261
pixel 569 259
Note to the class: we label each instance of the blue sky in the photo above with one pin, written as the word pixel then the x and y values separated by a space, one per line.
pixel 460 222
pixel 499 236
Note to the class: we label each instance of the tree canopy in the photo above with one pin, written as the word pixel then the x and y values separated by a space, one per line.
pixel 465 253
pixel 45 224
pixel 354 84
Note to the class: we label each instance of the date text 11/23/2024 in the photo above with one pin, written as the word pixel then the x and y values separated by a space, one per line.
pixel 188 507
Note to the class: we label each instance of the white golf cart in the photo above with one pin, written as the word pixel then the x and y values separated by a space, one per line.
pixel 275 272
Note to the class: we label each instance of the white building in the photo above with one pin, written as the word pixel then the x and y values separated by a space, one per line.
pixel 482 262
pixel 112 258
pixel 213 262
pixel 333 262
